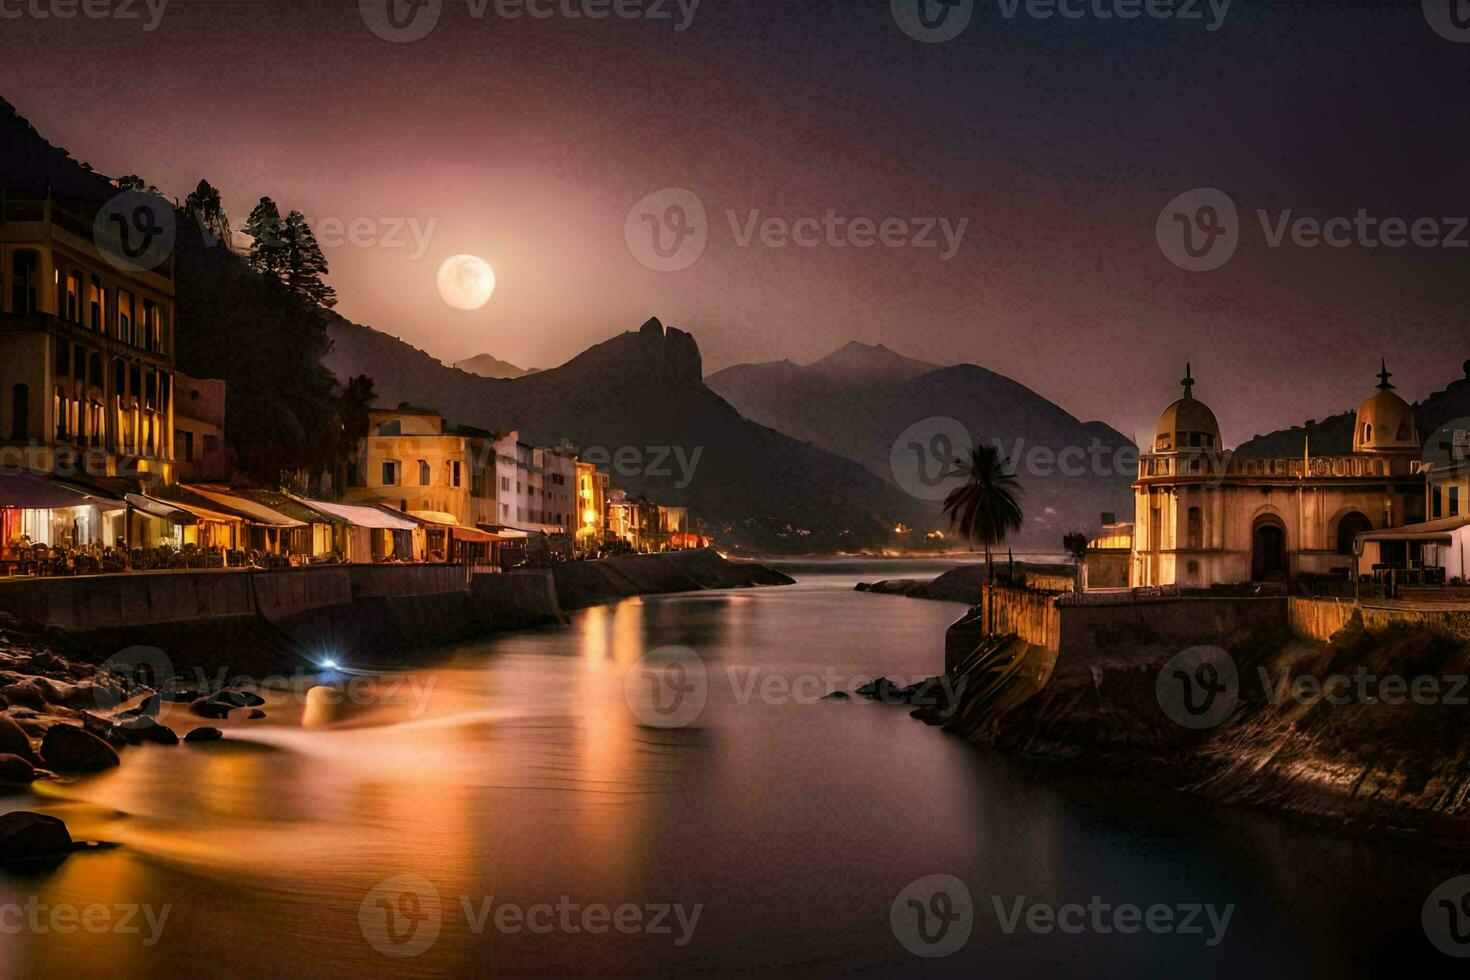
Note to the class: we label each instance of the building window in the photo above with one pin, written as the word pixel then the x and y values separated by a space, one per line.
pixel 184 445
pixel 505 484
pixel 94 304
pixel 125 316
pixel 1196 528
pixel 454 473
pixel 1348 528
pixel 20 412
pixel 73 297
pixel 390 472
pixel 1454 501
pixel 425 476
pixel 1436 502
pixel 23 281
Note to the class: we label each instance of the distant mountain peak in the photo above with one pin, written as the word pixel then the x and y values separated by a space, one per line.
pixel 490 366
pixel 857 361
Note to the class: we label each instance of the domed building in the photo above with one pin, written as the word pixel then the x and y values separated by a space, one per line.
pixel 1204 517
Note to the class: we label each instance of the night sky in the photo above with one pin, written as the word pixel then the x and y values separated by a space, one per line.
pixel 1059 140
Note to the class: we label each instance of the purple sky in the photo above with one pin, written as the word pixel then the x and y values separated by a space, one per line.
pixel 1057 141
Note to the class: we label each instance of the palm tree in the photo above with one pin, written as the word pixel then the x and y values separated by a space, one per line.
pixel 984 506
pixel 1076 545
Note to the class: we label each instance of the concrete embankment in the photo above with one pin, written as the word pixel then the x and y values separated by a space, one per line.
pixel 589 583
pixel 1362 729
pixel 257 622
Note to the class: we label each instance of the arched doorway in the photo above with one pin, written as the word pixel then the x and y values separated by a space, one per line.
pixel 1349 527
pixel 1268 550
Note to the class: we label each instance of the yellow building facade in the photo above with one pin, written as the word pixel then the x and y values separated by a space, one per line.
pixel 1203 517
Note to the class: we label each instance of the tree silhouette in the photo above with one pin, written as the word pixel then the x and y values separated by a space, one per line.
pixel 1076 545
pixel 268 233
pixel 985 506
pixel 305 263
pixel 208 213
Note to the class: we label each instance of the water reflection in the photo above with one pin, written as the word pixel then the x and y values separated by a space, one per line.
pixel 516 769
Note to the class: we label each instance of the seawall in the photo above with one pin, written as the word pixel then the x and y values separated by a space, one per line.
pixel 258 621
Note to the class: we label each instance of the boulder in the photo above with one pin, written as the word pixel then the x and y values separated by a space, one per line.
pixel 29 836
pixel 204 734
pixel 14 769
pixel 140 729
pixel 13 739
pixel 255 713
pixel 239 699
pixel 68 748
pixel 26 692
pixel 835 696
pixel 208 707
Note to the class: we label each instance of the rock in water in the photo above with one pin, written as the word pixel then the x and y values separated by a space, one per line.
pixel 67 748
pixel 204 734
pixel 14 769
pixel 835 696
pixel 144 729
pixel 13 739
pixel 29 836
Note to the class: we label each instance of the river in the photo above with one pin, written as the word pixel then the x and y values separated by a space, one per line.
pixel 517 806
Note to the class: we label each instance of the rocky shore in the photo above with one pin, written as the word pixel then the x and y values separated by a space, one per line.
pixel 590 583
pixel 1365 732
pixel 964 582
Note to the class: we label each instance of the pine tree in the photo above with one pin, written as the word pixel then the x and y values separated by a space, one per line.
pixel 305 263
pixel 205 208
pixel 268 234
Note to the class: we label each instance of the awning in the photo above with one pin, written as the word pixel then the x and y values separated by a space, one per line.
pixel 34 491
pixel 204 513
pixel 1440 531
pixel 358 516
pixel 257 512
pixel 446 522
pixel 160 509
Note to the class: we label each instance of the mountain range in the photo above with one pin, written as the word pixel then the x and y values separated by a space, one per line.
pixel 637 404
pixel 866 403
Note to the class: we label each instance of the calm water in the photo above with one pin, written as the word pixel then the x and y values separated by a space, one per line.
pixel 509 783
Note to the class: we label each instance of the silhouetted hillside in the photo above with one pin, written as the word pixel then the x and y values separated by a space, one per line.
pixel 1334 435
pixel 490 366
pixel 859 401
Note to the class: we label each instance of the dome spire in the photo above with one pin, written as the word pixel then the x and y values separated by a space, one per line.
pixel 1384 375
pixel 1188 380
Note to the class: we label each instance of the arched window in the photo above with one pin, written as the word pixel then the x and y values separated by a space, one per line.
pixel 1367 432
pixel 1348 528
pixel 425 474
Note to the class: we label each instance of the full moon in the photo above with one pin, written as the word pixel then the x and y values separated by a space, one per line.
pixel 466 281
